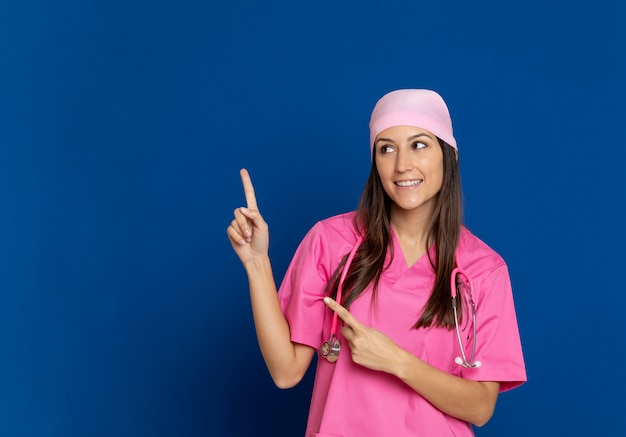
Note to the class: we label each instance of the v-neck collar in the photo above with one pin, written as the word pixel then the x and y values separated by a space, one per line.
pixel 401 258
pixel 396 268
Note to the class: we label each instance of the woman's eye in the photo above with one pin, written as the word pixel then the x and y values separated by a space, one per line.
pixel 386 149
pixel 419 145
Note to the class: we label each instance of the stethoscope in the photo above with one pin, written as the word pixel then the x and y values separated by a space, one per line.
pixel 330 348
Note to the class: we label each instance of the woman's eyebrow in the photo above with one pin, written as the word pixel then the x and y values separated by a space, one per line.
pixel 389 140
pixel 421 134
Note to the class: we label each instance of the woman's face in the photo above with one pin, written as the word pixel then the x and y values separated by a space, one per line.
pixel 410 164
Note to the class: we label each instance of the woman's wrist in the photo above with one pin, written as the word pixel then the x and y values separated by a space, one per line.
pixel 257 264
pixel 404 364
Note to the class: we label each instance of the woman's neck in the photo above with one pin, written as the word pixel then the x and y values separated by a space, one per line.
pixel 411 228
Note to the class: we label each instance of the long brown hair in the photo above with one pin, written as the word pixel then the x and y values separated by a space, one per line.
pixel 373 222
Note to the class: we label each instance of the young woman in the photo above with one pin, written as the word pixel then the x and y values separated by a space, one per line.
pixel 405 358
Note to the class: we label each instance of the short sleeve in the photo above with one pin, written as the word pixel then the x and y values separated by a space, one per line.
pixel 303 288
pixel 498 344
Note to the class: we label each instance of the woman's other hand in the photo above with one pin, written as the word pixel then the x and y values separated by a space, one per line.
pixel 248 233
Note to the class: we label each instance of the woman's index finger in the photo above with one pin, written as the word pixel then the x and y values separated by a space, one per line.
pixel 248 189
pixel 343 313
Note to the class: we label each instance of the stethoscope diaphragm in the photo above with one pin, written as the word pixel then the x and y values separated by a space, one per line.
pixel 330 349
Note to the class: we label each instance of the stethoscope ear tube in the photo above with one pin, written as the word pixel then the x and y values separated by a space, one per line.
pixel 462 360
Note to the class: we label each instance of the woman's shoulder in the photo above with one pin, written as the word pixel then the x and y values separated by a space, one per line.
pixel 340 227
pixel 472 252
pixel 340 222
pixel 330 238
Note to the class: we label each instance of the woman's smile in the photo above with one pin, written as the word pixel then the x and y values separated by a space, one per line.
pixel 409 183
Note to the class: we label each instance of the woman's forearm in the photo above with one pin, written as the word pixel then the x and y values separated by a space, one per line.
pixel 472 401
pixel 286 361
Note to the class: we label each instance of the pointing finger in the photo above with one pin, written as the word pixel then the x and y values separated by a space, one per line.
pixel 343 313
pixel 248 189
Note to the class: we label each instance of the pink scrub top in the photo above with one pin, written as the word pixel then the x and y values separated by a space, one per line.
pixel 352 401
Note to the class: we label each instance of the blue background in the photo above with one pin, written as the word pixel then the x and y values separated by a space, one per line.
pixel 123 309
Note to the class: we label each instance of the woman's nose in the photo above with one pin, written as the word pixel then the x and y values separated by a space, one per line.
pixel 403 161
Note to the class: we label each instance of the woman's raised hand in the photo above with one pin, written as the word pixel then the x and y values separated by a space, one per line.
pixel 248 232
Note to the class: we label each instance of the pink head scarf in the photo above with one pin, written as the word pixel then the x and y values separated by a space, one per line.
pixel 419 108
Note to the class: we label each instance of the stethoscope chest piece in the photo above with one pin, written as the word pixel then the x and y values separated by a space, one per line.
pixel 330 349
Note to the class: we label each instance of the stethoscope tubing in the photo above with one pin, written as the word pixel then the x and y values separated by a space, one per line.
pixel 344 273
